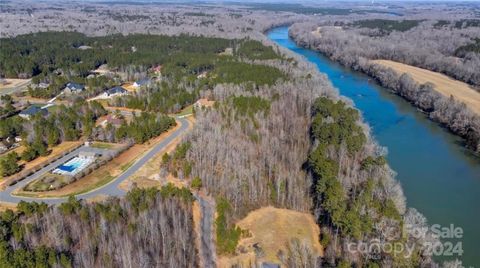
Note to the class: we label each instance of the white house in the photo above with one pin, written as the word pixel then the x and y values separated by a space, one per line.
pixel 113 92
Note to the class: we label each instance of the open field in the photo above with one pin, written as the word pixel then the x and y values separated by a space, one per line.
pixel 271 229
pixel 443 84
pixel 186 111
pixel 105 145
pixel 105 173
pixel 13 85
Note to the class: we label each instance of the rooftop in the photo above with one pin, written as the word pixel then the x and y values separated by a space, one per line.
pixel 33 110
pixel 116 90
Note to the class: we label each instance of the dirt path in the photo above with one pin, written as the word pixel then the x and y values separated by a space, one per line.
pixel 443 84
pixel 207 248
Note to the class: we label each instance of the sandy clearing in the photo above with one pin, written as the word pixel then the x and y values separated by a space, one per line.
pixel 13 82
pixel 317 32
pixel 272 228
pixel 5 206
pixel 443 84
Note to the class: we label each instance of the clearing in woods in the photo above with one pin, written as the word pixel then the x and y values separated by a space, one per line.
pixel 271 229
pixel 443 84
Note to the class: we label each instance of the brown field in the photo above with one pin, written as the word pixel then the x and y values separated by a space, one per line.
pixel 443 84
pixel 40 161
pixel 272 228
pixel 4 206
pixel 105 173
pixel 13 82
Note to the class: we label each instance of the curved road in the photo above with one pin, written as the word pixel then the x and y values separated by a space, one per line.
pixel 109 189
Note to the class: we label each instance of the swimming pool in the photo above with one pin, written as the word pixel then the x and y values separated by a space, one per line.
pixel 73 166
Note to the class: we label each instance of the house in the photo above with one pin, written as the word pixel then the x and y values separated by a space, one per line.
pixel 142 82
pixel 32 111
pixel 87 155
pixel 116 91
pixel 113 92
pixel 84 47
pixel 3 147
pixel 270 265
pixel 113 120
pixel 203 103
pixel 74 88
pixel 43 85
pixel 156 69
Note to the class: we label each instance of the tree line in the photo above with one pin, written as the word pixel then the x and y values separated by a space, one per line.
pixel 148 228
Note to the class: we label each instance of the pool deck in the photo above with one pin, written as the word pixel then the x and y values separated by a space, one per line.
pixel 6 195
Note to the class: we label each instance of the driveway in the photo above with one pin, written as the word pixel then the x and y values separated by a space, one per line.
pixel 109 189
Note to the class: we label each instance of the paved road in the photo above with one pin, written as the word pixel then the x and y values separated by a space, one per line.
pixel 110 189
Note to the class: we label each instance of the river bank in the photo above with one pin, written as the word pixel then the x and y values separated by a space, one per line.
pixel 449 112
pixel 439 176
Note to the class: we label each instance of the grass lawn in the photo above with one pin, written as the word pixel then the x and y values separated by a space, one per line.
pixel 43 183
pixel 104 145
pixel 186 111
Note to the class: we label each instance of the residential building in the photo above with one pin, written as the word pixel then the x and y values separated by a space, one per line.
pixel 32 111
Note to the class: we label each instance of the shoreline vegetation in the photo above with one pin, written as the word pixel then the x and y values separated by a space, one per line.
pixel 447 111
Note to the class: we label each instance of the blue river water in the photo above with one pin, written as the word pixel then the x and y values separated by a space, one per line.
pixel 440 178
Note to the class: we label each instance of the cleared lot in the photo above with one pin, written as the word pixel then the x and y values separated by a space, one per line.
pixel 443 84
pixel 271 229
pixel 9 86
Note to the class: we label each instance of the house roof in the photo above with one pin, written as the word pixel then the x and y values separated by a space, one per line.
pixel 75 86
pixel 33 110
pixel 113 120
pixel 115 90
pixel 143 81
pixel 270 265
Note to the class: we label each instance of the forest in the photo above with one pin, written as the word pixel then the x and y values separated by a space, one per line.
pixel 387 26
pixel 42 53
pixel 346 182
pixel 148 228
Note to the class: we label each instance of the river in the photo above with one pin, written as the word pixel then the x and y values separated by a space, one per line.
pixel 440 178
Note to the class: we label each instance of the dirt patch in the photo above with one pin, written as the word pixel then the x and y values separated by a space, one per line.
pixel 12 83
pixel 197 216
pixel 5 206
pixel 271 229
pixel 317 32
pixel 443 84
